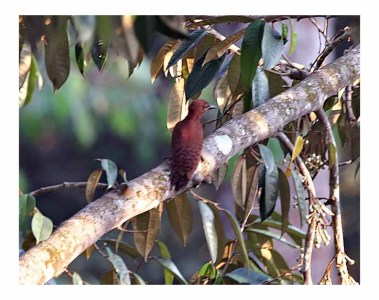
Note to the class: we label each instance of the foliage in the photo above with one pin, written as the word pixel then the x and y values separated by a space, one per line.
pixel 196 56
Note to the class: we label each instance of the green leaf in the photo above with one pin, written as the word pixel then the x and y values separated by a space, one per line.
pixel 285 200
pixel 201 75
pixel 119 266
pixel 219 48
pixel 238 182
pixel 219 175
pixel 247 276
pixel 27 204
pixel 272 47
pixel 209 229
pixel 76 279
pixel 171 267
pixel 299 188
pixel 146 228
pixel 180 216
pixel 57 58
pixel 92 182
pixel 240 238
pixel 273 235
pixel 271 186
pixel 251 51
pixel 186 45
pixel 42 227
pixel 168 276
pixel 260 88
pixel 276 83
pixel 79 57
pixel 208 270
pixel 111 171
pixel 293 39
pixel 101 41
pixel 284 32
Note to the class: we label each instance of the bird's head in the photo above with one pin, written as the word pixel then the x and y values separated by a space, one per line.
pixel 200 106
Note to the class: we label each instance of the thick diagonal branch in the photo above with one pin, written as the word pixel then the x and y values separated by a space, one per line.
pixel 50 257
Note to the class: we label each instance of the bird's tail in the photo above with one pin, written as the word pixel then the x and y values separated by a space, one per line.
pixel 178 181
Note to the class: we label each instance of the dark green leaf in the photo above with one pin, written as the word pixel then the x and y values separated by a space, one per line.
pixel 332 155
pixel 101 41
pixel 111 171
pixel 168 276
pixel 170 266
pixel 79 56
pixel 285 200
pixel 146 228
pixel 42 227
pixel 180 216
pixel 201 75
pixel 272 47
pixel 260 88
pixel 209 229
pixel 27 204
pixel 284 32
pixel 76 279
pixel 92 182
pixel 246 276
pixel 276 84
pixel 238 182
pixel 271 186
pixel 251 51
pixel 186 45
pixel 299 188
pixel 138 279
pixel 119 266
pixel 57 58
pixel 275 236
pixel 172 26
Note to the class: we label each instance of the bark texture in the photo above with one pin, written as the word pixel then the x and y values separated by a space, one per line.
pixel 50 257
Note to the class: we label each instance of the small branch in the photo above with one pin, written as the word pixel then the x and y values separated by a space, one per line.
pixel 335 204
pixel 232 47
pixel 336 41
pixel 63 186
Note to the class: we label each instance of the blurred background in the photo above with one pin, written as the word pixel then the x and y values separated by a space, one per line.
pixel 108 115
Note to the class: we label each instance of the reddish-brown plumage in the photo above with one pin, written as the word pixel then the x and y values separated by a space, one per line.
pixel 186 144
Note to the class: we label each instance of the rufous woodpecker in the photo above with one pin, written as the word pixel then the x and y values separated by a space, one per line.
pixel 186 144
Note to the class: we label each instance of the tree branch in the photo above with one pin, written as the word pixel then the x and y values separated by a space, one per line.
pixel 49 258
pixel 64 185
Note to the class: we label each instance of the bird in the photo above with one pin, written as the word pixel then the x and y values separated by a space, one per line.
pixel 186 144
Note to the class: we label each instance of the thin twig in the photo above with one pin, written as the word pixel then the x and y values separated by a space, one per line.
pixel 64 185
pixel 335 204
pixel 336 41
pixel 309 241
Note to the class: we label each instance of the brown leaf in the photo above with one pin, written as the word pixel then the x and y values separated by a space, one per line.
pixel 157 63
pixel 146 228
pixel 220 47
pixel 92 182
pixel 234 76
pixel 180 216
pixel 219 175
pixel 57 59
pixel 177 106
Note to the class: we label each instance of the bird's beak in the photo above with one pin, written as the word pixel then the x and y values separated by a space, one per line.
pixel 212 107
